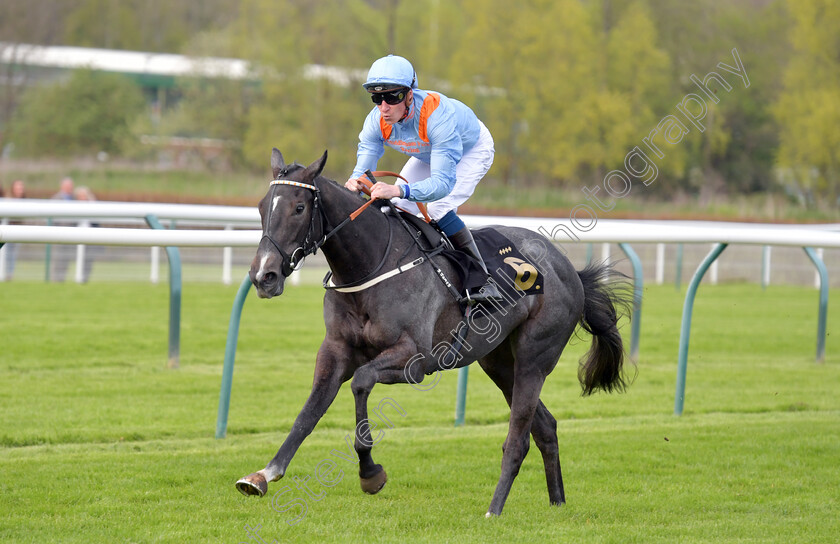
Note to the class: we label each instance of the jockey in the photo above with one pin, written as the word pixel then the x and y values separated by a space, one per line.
pixel 450 150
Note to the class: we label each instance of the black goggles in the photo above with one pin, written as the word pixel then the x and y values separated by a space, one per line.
pixel 392 98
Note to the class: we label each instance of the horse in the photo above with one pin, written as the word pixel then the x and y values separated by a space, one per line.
pixel 372 338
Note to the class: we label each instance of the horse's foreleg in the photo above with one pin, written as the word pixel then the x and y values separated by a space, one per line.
pixel 389 367
pixel 331 370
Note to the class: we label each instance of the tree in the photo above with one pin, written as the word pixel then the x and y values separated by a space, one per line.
pixel 808 111
pixel 299 111
pixel 23 22
pixel 143 25
pixel 576 93
pixel 90 112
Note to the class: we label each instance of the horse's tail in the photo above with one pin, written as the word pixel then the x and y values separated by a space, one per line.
pixel 601 368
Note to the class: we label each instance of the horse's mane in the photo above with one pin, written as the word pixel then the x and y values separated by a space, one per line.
pixel 295 166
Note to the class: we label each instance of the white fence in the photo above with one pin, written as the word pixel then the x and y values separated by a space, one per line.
pixel 225 224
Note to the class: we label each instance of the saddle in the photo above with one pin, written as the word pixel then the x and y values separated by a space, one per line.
pixel 429 233
pixel 514 274
pixel 509 269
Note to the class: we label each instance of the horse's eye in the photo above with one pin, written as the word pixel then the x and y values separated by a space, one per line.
pixel 299 209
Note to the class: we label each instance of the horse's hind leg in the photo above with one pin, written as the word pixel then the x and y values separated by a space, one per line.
pixel 526 393
pixel 544 429
pixel 499 367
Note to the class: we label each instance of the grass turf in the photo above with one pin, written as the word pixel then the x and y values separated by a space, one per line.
pixel 99 442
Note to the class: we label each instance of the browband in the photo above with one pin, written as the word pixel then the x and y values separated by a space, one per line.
pixel 293 183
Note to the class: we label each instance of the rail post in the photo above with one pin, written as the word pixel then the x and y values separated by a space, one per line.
pixel 174 256
pixel 685 327
pixel 230 356
pixel 638 291
pixel 823 309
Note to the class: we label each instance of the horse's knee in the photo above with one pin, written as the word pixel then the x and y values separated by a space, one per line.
pixel 363 382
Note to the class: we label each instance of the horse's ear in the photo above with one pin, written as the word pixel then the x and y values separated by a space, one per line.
pixel 314 170
pixel 277 162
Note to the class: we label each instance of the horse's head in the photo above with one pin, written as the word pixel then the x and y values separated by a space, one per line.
pixel 291 223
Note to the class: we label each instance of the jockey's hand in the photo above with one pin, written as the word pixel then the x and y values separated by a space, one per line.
pixel 385 191
pixel 354 185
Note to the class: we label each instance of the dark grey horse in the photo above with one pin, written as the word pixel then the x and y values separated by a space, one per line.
pixel 389 332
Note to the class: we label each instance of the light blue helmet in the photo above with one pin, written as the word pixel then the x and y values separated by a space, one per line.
pixel 391 72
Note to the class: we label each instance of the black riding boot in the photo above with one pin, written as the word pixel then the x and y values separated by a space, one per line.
pixel 463 241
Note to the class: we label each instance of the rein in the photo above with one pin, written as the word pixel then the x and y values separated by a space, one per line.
pixel 312 243
pixel 368 184
pixel 371 279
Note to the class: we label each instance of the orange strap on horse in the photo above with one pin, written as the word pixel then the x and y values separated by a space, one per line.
pixel 367 185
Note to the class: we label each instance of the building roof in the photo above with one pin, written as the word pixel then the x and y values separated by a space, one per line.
pixel 127 62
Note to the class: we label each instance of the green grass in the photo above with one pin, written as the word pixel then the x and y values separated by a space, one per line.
pixel 100 442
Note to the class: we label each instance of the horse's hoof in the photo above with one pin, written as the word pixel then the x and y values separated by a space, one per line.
pixel 375 483
pixel 253 484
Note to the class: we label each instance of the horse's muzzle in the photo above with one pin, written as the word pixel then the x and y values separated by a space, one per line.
pixel 266 276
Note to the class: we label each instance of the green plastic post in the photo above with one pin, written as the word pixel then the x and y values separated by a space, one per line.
pixel 174 256
pixel 685 328
pixel 823 309
pixel 678 273
pixel 638 290
pixel 461 400
pixel 230 356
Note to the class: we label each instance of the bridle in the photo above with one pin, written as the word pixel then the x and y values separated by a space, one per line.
pixel 311 242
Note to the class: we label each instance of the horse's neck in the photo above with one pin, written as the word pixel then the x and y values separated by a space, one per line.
pixel 357 247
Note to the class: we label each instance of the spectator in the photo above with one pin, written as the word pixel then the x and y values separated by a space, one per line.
pixel 83 193
pixel 63 254
pixel 65 191
pixel 18 190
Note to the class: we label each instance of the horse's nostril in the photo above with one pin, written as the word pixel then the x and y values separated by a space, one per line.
pixel 269 278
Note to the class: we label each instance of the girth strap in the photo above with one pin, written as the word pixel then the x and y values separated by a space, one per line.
pixel 328 283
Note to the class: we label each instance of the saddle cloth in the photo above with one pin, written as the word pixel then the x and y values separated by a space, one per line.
pixel 510 269
pixel 512 272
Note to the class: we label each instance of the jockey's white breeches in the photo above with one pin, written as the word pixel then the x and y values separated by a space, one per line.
pixel 468 172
